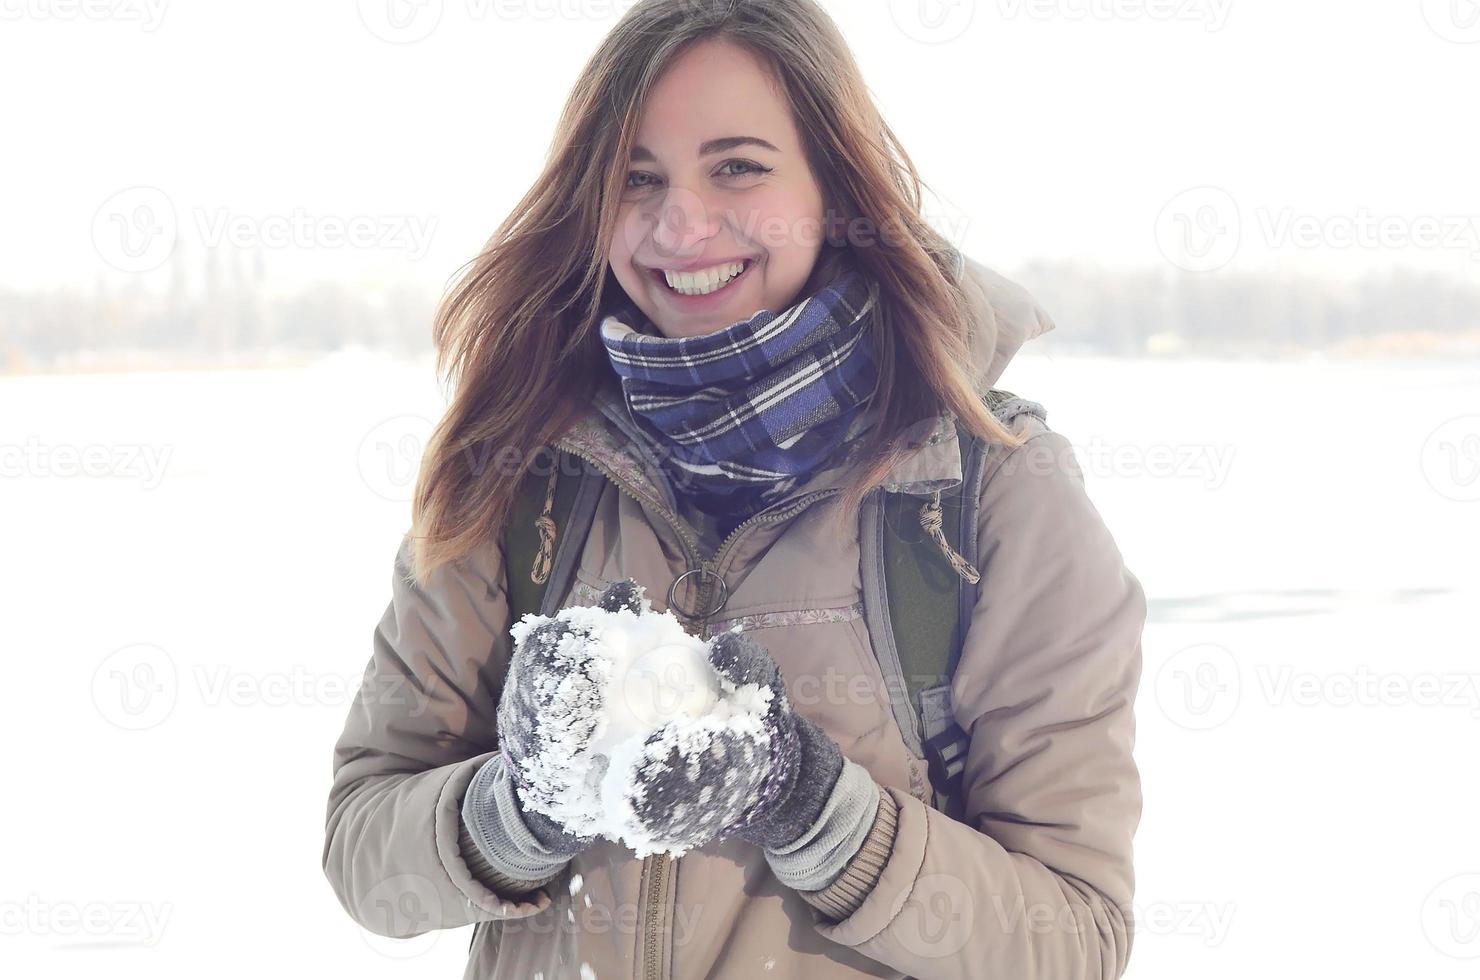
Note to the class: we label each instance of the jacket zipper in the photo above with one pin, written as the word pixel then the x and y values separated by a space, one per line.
pixel 764 517
pixel 656 868
pixel 690 544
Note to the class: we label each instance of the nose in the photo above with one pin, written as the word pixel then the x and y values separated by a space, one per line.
pixel 683 223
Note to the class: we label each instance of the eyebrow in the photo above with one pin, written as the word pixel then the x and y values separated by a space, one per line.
pixel 720 145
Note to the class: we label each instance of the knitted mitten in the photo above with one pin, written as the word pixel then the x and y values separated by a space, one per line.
pixel 805 762
pixel 768 790
pixel 552 694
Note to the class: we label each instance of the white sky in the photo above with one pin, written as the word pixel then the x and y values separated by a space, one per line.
pixel 1051 129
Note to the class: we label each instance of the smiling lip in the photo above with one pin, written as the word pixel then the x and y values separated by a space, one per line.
pixel 699 304
pixel 700 264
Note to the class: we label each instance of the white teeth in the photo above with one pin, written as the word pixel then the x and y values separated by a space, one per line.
pixel 705 280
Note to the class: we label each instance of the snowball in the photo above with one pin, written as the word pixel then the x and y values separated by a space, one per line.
pixel 622 677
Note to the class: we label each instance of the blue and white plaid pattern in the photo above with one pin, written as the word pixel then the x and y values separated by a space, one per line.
pixel 739 416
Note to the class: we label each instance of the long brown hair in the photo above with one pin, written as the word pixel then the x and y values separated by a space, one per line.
pixel 516 335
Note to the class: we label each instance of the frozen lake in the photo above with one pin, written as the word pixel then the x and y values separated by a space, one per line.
pixel 1307 534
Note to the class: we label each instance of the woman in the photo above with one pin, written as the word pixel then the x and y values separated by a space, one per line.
pixel 722 294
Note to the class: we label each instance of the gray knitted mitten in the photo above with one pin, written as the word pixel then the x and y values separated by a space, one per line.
pixel 805 761
pixel 768 792
pixel 543 684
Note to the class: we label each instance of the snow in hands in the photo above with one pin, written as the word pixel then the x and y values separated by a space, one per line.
pixel 633 734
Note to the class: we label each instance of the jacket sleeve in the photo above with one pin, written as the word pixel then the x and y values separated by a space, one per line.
pixel 418 730
pixel 1037 883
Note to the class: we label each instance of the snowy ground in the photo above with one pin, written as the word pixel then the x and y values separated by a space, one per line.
pixel 1308 718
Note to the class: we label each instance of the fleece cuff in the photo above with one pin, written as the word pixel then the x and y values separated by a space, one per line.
pixel 491 819
pixel 818 856
pixel 846 895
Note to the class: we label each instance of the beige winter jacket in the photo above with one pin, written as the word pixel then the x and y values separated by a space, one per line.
pixel 1036 885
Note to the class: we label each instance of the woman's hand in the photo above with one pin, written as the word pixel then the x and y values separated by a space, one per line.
pixel 552 696
pixel 767 789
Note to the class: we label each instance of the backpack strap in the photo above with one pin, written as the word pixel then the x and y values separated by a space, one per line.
pixel 920 589
pixel 552 514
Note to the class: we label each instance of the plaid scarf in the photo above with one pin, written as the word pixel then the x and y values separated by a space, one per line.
pixel 739 417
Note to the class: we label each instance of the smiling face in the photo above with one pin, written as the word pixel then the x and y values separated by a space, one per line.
pixel 721 215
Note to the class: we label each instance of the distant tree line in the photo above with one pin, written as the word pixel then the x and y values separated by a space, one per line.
pixel 1238 313
pixel 1094 309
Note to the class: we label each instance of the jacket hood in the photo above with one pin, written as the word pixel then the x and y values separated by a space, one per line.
pixel 1004 317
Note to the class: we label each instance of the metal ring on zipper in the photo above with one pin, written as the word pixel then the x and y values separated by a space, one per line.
pixel 724 594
